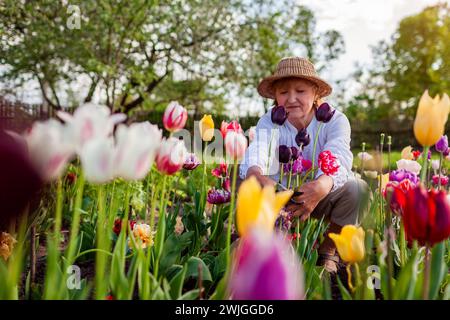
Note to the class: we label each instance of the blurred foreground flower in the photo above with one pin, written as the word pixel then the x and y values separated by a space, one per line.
pixel 258 206
pixel 179 227
pixel 97 159
pixel 265 267
pixel 431 117
pixel 19 179
pixel 136 147
pixel 7 243
pixel 426 216
pixel 50 148
pixel 364 156
pixel 89 121
pixel 407 153
pixel 350 243
pixel 175 116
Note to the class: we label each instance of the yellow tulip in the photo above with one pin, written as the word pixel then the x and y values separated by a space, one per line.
pixel 207 127
pixel 430 119
pixel 258 206
pixel 407 153
pixel 7 243
pixel 349 243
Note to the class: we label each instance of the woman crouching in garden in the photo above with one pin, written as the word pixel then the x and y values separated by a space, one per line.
pixel 333 194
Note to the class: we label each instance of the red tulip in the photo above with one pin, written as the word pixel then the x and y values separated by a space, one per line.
pixel 220 171
pixel 426 216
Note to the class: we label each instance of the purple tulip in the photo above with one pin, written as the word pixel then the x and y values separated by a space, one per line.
pixel 442 144
pixel 284 154
pixel 446 152
pixel 295 152
pixel 302 138
pixel 218 196
pixel 20 182
pixel 279 115
pixel 296 166
pixel 284 220
pixel 266 268
pixel 402 174
pixel 324 112
pixel 191 162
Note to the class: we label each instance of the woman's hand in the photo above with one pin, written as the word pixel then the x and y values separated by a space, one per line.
pixel 262 179
pixel 311 194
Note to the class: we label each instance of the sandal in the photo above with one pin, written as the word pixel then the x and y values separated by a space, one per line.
pixel 324 257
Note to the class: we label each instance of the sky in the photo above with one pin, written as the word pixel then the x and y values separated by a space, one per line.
pixel 362 23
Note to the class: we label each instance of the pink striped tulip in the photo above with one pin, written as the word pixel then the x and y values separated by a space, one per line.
pixel 175 116
pixel 235 144
pixel 170 156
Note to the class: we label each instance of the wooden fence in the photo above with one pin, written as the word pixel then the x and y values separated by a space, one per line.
pixel 18 116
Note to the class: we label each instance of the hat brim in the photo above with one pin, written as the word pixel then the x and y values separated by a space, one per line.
pixel 266 89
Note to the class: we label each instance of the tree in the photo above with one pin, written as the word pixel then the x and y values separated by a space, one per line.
pixel 139 54
pixel 417 58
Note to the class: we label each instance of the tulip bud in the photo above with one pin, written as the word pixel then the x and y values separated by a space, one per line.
pixel 431 117
pixel 284 154
pixel 235 145
pixel 170 156
pixel 426 216
pixel 175 116
pixel 442 144
pixel 266 267
pixel 218 196
pixel 350 243
pixel 206 126
pixel 302 138
pixel 279 115
pixel 324 112
pixel 295 153
pixel 191 162
pixel 232 126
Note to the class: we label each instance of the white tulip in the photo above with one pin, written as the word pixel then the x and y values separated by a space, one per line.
pixel 435 164
pixel 136 149
pixel 97 159
pixel 371 174
pixel 90 121
pixel 49 148
pixel 409 165
pixel 364 156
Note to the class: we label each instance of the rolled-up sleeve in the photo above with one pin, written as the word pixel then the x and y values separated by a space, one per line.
pixel 337 136
pixel 257 154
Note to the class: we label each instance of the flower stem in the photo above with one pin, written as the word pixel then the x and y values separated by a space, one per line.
pixel 59 202
pixel 426 279
pixel 314 149
pixel 423 173
pixel 290 175
pixel 349 275
pixel 230 214
pixel 100 260
pixel 439 172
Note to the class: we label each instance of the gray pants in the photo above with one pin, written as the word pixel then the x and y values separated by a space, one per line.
pixel 344 205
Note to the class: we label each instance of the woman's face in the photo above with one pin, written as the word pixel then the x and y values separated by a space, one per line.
pixel 296 95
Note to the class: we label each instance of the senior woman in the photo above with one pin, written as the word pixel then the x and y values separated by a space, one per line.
pixel 296 86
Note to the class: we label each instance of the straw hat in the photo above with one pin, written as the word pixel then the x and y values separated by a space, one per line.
pixel 293 67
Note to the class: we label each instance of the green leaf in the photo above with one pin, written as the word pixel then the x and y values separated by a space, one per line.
pixel 407 279
pixel 176 284
pixel 344 292
pixel 192 269
pixel 190 295
pixel 438 269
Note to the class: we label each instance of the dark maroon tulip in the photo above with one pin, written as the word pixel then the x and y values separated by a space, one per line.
pixel 284 154
pixel 302 138
pixel 324 112
pixel 426 216
pixel 295 153
pixel 279 115
pixel 19 181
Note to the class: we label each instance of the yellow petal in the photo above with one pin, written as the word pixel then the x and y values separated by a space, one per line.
pixel 281 198
pixel 357 246
pixel 248 204
pixel 341 245
pixel 206 125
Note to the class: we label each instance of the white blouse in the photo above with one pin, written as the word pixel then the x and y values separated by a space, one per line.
pixel 333 136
